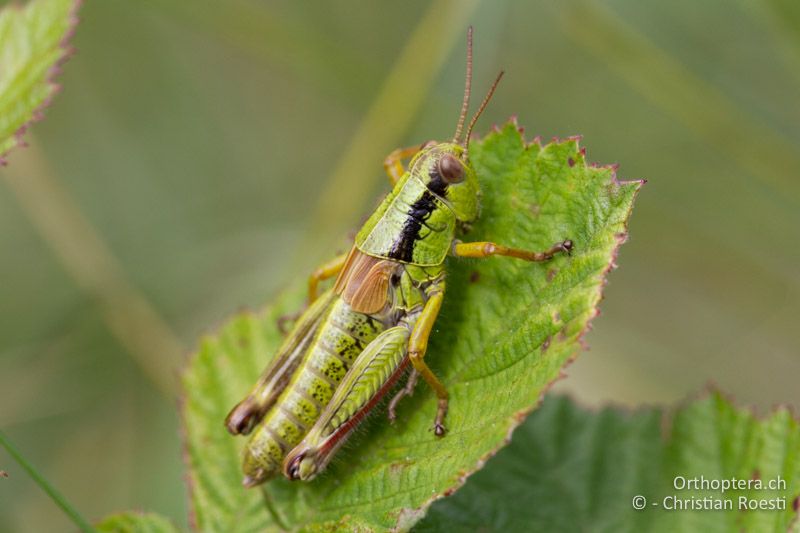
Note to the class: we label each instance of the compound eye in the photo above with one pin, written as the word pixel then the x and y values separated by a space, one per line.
pixel 451 169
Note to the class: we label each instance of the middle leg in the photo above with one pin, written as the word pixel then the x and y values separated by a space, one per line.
pixel 323 272
pixel 418 345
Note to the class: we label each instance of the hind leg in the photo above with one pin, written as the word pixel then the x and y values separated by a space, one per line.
pixel 407 390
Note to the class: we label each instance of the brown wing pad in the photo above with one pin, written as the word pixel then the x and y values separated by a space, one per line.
pixel 364 282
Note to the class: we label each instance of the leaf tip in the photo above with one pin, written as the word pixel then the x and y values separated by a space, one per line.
pixel 66 51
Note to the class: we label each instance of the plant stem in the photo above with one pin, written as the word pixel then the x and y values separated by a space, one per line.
pixel 56 496
pixel 388 117
pixel 90 262
pixel 273 511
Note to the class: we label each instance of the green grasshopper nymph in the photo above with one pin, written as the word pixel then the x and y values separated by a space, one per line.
pixel 356 340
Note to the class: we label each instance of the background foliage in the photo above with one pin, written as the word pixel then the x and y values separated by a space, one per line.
pixel 589 465
pixel 191 145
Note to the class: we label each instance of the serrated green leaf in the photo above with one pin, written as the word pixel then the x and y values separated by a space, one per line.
pixel 573 469
pixel 132 522
pixel 505 331
pixel 32 45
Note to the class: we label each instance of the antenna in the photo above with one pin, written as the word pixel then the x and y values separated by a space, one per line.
pixel 467 87
pixel 481 108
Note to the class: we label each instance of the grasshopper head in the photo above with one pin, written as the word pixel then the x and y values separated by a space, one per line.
pixel 446 171
pixel 445 167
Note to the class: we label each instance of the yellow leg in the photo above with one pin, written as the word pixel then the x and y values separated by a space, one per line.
pixel 328 270
pixel 393 164
pixel 325 271
pixel 418 344
pixel 487 249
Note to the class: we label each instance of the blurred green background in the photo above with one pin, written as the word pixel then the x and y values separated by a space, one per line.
pixel 202 154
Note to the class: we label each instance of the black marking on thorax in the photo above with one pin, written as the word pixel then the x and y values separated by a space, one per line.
pixel 417 214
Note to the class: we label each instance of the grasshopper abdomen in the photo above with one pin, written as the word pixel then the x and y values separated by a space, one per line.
pixel 340 337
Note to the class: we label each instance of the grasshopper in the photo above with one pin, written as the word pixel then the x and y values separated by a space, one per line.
pixel 353 342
